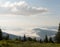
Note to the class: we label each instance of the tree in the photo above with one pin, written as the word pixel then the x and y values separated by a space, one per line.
pixel 50 40
pixel 41 41
pixel 24 38
pixel 46 39
pixel 34 39
pixel 30 39
pixel 16 39
pixel 19 38
pixel 7 37
pixel 0 34
pixel 57 36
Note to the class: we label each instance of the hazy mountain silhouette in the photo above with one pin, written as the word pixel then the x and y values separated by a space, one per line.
pixel 11 36
pixel 40 32
pixel 43 32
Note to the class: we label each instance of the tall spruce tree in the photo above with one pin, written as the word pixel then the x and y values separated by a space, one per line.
pixel 34 39
pixel 24 38
pixel 46 39
pixel 50 40
pixel 7 37
pixel 41 41
pixel 0 34
pixel 57 37
pixel 30 39
pixel 19 38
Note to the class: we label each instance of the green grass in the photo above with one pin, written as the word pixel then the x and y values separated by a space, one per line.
pixel 14 43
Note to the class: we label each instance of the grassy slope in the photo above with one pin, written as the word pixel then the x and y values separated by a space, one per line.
pixel 10 43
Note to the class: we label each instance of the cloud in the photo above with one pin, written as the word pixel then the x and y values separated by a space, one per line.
pixel 28 33
pixel 20 8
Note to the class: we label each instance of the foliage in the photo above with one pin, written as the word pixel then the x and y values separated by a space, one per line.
pixel 50 40
pixel 57 37
pixel 0 34
pixel 34 39
pixel 46 39
pixel 30 39
pixel 41 41
pixel 24 38
pixel 7 37
pixel 19 38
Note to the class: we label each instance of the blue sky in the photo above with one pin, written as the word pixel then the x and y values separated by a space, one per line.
pixel 31 14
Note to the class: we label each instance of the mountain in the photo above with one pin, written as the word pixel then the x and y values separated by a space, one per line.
pixel 36 31
pixel 43 32
pixel 11 36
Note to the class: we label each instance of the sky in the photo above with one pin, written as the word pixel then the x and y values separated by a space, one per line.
pixel 28 14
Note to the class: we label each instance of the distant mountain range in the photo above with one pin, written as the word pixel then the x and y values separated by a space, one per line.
pixel 11 36
pixel 38 31
pixel 43 32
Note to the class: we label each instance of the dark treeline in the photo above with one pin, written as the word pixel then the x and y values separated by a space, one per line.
pixel 57 37
pixel 46 39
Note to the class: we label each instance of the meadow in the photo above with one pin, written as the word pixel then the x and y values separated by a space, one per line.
pixel 15 43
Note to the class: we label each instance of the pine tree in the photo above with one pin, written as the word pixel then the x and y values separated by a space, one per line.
pixel 57 37
pixel 24 38
pixel 16 39
pixel 41 41
pixel 7 37
pixel 0 34
pixel 19 38
pixel 46 39
pixel 30 39
pixel 50 40
pixel 34 39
